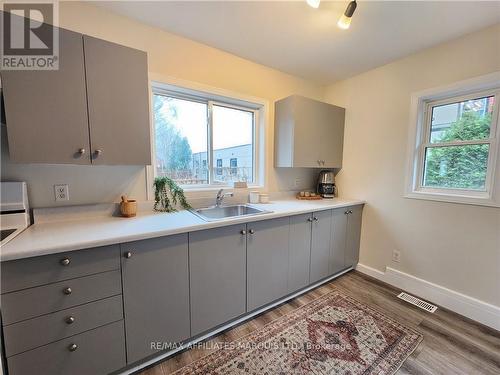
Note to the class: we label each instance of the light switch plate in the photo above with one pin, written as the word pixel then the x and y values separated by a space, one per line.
pixel 61 192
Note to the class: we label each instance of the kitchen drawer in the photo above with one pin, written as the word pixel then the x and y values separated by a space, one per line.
pixel 36 271
pixel 99 351
pixel 29 303
pixel 32 333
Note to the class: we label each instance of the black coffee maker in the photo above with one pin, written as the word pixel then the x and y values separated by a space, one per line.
pixel 326 184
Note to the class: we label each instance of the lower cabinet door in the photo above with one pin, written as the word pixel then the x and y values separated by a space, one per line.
pixel 353 235
pixel 267 261
pixel 217 263
pixel 338 240
pixel 320 245
pixel 155 294
pixel 300 252
pixel 98 352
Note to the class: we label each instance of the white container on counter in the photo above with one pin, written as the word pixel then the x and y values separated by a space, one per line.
pixel 253 197
pixel 264 198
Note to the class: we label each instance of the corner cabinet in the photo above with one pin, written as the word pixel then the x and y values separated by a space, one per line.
pixel 155 294
pixel 93 110
pixel 308 133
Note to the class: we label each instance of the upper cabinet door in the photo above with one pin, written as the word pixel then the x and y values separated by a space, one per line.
pixel 308 133
pixel 117 89
pixel 331 144
pixel 46 111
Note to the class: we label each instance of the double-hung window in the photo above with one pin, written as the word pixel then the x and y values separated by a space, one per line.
pixel 202 141
pixel 456 149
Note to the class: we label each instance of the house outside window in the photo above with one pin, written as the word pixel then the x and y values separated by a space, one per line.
pixel 200 142
pixel 456 144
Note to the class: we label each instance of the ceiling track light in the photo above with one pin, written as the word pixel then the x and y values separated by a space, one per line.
pixel 345 20
pixel 313 3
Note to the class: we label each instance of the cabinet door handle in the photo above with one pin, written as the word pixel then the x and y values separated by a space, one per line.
pixel 72 347
pixel 128 254
pixel 67 291
pixel 322 162
pixel 350 211
pixel 251 231
pixel 243 232
pixel 65 261
pixel 309 219
pixel 81 152
pixel 70 320
pixel 346 213
pixel 315 218
pixel 97 153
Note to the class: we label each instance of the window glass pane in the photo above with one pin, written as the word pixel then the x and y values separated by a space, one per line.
pixel 181 139
pixel 233 144
pixel 456 167
pixel 462 121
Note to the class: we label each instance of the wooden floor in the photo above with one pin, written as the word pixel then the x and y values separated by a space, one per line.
pixel 452 344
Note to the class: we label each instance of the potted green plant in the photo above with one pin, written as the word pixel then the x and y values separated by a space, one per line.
pixel 168 194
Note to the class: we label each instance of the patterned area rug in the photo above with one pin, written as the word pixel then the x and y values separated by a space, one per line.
pixel 334 334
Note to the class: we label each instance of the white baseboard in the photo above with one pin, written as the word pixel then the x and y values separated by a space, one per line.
pixel 462 304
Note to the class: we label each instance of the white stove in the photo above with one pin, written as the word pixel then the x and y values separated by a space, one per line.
pixel 14 210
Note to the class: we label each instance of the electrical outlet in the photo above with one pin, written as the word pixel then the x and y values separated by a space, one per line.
pixel 396 256
pixel 61 192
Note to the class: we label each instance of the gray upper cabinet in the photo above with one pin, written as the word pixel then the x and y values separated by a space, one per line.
pixel 308 133
pixel 353 235
pixel 155 293
pixel 300 252
pixel 267 261
pixel 320 245
pixel 217 269
pixel 93 110
pixel 117 89
pixel 46 111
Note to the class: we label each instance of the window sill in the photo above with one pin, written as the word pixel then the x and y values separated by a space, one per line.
pixel 447 198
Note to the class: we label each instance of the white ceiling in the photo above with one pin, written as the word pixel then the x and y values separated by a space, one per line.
pixel 297 39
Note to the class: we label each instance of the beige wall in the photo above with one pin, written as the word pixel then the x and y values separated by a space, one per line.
pixel 170 56
pixel 453 245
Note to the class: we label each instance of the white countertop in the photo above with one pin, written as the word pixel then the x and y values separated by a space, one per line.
pixel 60 236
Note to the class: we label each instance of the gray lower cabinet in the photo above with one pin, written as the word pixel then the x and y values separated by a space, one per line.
pixel 353 234
pixel 217 269
pixel 98 352
pixel 155 294
pixel 300 252
pixel 267 261
pixel 338 240
pixel 320 245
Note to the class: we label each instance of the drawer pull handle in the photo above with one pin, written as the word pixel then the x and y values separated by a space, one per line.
pixel 251 231
pixel 65 261
pixel 128 254
pixel 70 319
pixel 243 232
pixel 72 347
pixel 67 291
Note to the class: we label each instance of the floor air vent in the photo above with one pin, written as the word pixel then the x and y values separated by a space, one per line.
pixel 417 302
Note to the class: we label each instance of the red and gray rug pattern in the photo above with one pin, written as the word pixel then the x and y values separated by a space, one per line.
pixel 334 334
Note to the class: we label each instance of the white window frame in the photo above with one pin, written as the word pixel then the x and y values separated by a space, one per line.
pixel 222 98
pixel 419 140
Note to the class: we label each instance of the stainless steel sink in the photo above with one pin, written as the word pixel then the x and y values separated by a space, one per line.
pixel 227 212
